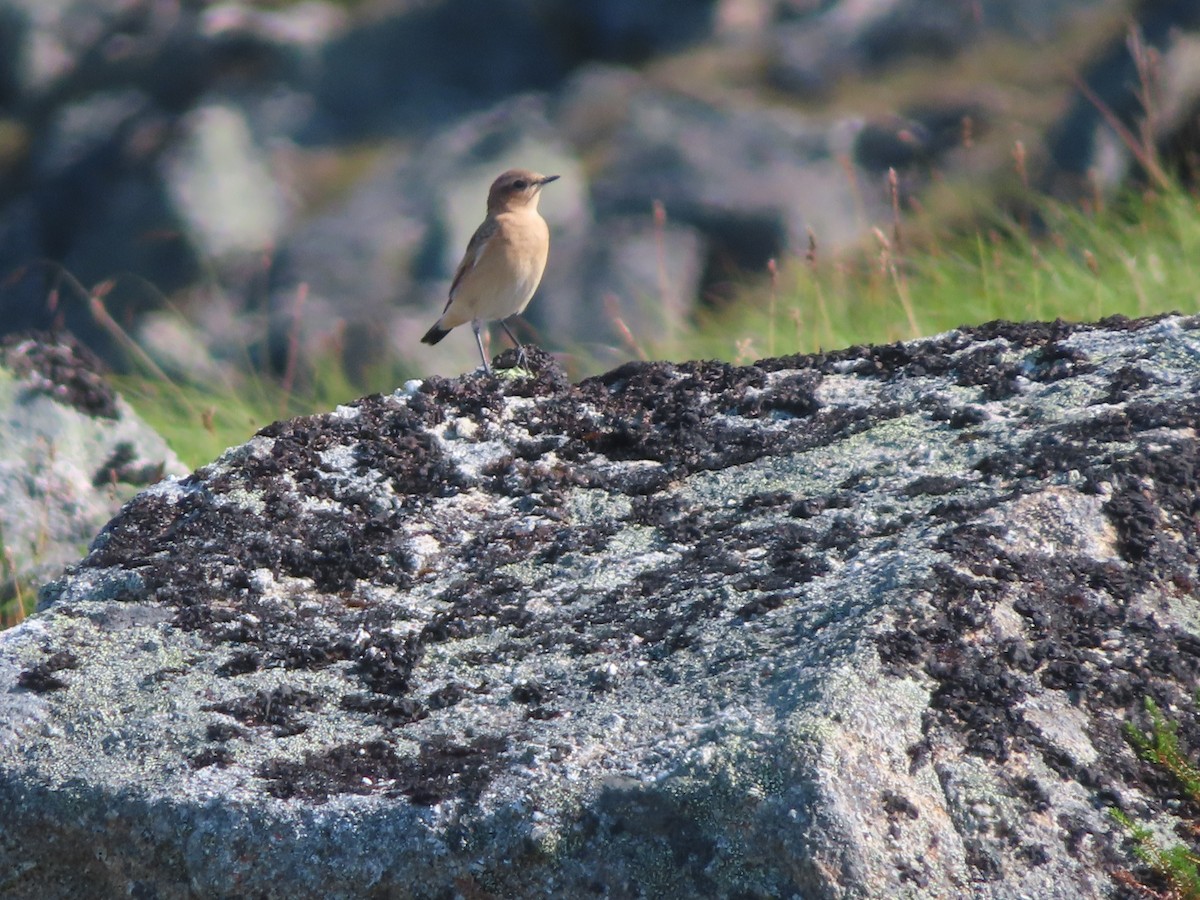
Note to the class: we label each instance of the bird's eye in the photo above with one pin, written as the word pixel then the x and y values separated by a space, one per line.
pixel 520 184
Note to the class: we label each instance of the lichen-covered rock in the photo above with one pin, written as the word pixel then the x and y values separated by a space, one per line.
pixel 72 452
pixel 864 624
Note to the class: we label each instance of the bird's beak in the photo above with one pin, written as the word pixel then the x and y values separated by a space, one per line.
pixel 548 179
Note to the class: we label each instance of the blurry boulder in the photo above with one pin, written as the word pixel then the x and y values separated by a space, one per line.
pixel 1087 153
pixel 591 105
pixel 937 29
pixel 91 207
pixel 71 453
pixel 816 44
pixel 122 164
pixel 414 66
pixel 185 351
pixel 1179 143
pixel 753 182
pixel 339 273
pixel 220 185
pixel 53 40
pixel 71 49
pixel 630 279
pixel 440 60
pixel 627 30
pixel 919 138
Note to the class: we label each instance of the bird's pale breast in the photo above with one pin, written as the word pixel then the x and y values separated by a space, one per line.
pixel 506 271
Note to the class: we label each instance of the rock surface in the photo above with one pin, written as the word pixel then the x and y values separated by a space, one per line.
pixel 71 453
pixel 864 624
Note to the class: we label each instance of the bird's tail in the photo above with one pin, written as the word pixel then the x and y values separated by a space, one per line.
pixel 434 334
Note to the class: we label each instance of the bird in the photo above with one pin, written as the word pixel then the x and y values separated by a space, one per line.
pixel 503 263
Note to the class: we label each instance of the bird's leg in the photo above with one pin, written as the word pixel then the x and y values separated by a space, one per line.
pixel 521 360
pixel 476 326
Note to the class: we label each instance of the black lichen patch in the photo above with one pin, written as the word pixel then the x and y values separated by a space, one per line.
pixel 676 415
pixel 530 693
pixel 57 365
pixel 766 500
pixel 1034 795
pixel 393 445
pixel 1126 382
pixel 480 607
pixel 221 757
pixel 1022 334
pixel 446 696
pixel 986 368
pixel 974 355
pixel 524 476
pixel 807 507
pixel 386 663
pixel 1081 635
pixel 534 695
pixel 1056 361
pixel 984 862
pixel 222 731
pixel 240 663
pixel 330 555
pixel 441 770
pixel 898 809
pixel 279 708
pixel 390 711
pixel 694 417
pixel 761 605
pixel 1064 448
pixel 793 396
pixel 934 485
pixel 347 768
pixel 559 541
pixel 42 677
pixel 966 416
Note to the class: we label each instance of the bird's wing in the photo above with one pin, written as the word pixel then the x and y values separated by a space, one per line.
pixel 474 250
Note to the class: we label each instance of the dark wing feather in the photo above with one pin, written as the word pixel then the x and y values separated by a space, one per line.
pixel 471 256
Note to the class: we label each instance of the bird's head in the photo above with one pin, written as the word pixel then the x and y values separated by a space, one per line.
pixel 517 188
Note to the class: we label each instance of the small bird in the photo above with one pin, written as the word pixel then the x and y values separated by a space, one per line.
pixel 504 261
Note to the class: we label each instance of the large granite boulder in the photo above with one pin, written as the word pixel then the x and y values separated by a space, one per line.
pixel 865 624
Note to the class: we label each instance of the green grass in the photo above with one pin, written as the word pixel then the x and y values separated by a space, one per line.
pixel 199 421
pixel 1138 258
pixel 18 597
pixel 1178 865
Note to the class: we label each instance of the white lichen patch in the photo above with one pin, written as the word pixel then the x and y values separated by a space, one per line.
pixel 1058 520
pixel 1063 724
pixel 241 498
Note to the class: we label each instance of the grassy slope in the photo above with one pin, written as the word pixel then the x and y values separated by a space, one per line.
pixel 1136 259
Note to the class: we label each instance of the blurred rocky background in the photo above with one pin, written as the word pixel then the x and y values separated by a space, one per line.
pixel 230 182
